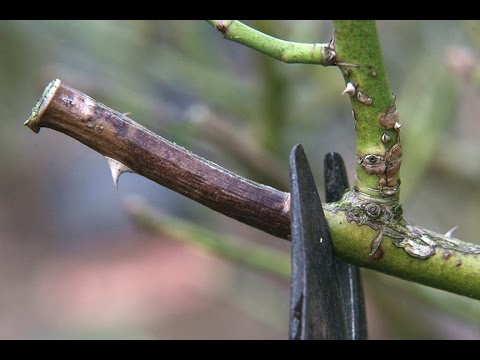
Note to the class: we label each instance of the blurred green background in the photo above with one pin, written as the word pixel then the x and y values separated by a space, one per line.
pixel 73 262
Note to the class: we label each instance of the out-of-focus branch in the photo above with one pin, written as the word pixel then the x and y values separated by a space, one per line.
pixel 248 153
pixel 254 256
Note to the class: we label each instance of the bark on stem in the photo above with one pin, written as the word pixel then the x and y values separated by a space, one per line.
pixel 114 135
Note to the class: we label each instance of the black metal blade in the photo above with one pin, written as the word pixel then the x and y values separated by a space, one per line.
pixel 316 304
pixel 335 175
pixel 336 182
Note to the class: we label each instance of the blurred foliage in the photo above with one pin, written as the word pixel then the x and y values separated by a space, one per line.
pixel 59 216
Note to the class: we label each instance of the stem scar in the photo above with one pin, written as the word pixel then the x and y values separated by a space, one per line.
pixel 364 99
pixel 222 27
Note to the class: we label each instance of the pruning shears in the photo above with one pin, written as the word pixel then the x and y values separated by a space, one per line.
pixel 326 299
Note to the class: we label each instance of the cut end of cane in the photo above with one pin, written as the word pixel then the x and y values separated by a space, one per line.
pixel 41 105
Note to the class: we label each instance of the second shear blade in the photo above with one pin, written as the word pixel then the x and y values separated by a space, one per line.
pixel 336 183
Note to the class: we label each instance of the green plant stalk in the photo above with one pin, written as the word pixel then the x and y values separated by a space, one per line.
pixel 286 51
pixel 447 269
pixel 357 42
